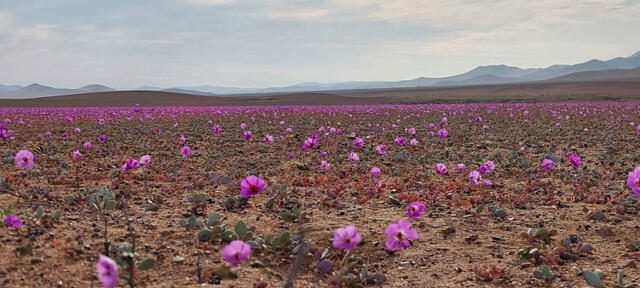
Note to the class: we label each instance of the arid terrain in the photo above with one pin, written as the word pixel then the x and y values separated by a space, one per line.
pixel 515 222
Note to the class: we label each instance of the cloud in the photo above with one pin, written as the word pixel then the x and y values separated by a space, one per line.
pixel 209 2
pixel 300 14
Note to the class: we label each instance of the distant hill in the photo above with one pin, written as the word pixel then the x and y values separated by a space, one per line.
pixel 481 75
pixel 606 75
pixel 36 90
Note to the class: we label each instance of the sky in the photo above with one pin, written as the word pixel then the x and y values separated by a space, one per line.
pixel 250 43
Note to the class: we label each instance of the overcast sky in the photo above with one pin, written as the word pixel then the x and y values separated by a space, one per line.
pixel 250 43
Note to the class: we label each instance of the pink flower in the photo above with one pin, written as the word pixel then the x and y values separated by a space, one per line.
pixel 633 181
pixel 236 252
pixel 353 157
pixel 145 160
pixel 375 172
pixel 281 123
pixel 358 142
pixel 243 126
pixel 250 186
pixel 415 210
pixel 547 164
pixel 487 182
pixel 400 235
pixel 130 165
pixel 346 238
pixel 400 141
pixel 216 129
pixel 487 167
pixel 182 138
pixel 574 159
pixel 87 145
pixel 75 155
pixel 246 135
pixel 77 130
pixel 442 133
pixel 24 159
pixel 441 169
pixel 13 221
pixel 474 177
pixel 310 143
pixel 107 271
pixel 413 142
pixel 411 131
pixel 324 165
pixel 381 149
pixel 185 151
pixel 268 139
pixel 461 167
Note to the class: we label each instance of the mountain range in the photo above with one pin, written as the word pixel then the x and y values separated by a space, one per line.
pixel 616 69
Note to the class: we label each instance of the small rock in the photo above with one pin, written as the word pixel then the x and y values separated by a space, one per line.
pixel 178 259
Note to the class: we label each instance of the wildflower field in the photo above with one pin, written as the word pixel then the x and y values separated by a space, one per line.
pixel 456 195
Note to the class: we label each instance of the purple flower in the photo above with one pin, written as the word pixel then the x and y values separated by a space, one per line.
pixel 216 129
pixel 415 210
pixel 145 160
pixel 185 151
pixel 400 141
pixel 236 252
pixel 413 142
pixel 633 181
pixel 324 165
pixel 4 133
pixel 130 165
pixel 487 182
pixel 442 133
pixel 87 145
pixel 24 159
pixel 574 159
pixel 76 155
pixel 441 169
pixel 310 143
pixel 102 138
pixel 243 126
pixel 268 139
pixel 358 142
pixel 182 138
pixel 107 271
pixel 250 186
pixel 246 135
pixel 77 130
pixel 487 167
pixel 346 238
pixel 375 172
pixel 400 235
pixel 411 131
pixel 353 157
pixel 381 149
pixel 547 164
pixel 474 177
pixel 13 221
pixel 461 167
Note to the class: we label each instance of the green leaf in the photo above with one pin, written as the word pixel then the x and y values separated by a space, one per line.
pixel 183 223
pixel 593 279
pixel 192 221
pixel 56 215
pixel 228 236
pixel 241 229
pixel 213 219
pixel 204 235
pixel 25 250
pixel 147 264
pixel 39 212
pixel 110 205
pixel 70 199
